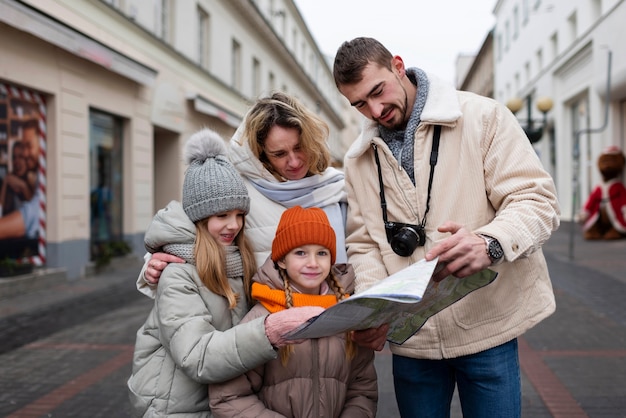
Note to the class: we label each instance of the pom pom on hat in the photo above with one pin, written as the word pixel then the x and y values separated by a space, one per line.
pixel 299 226
pixel 212 185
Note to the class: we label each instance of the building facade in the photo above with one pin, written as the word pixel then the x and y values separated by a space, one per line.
pixel 478 75
pixel 569 52
pixel 98 96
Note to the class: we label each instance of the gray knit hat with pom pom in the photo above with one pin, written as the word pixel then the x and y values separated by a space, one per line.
pixel 212 184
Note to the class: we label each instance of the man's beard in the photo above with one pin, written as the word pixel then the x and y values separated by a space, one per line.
pixel 401 124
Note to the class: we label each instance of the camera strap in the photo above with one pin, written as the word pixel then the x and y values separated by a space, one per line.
pixel 434 154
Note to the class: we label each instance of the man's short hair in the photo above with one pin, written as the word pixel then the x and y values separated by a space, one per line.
pixel 353 56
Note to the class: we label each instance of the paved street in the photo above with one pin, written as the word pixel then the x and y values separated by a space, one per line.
pixel 66 348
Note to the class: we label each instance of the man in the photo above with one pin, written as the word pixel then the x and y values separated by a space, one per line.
pixel 481 200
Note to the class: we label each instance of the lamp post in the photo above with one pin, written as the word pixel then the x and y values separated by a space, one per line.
pixel 544 104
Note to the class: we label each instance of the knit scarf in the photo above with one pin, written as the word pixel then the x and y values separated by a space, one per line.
pixel 313 191
pixel 324 191
pixel 401 143
pixel 275 300
pixel 234 265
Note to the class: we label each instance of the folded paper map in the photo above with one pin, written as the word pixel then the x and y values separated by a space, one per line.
pixel 405 300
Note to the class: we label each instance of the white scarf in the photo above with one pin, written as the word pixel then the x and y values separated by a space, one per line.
pixel 325 191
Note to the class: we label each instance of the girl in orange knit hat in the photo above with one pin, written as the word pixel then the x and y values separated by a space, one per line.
pixel 329 376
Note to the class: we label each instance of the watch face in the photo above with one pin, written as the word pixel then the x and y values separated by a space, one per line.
pixel 495 250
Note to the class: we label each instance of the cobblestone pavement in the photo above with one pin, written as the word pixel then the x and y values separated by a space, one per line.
pixel 66 348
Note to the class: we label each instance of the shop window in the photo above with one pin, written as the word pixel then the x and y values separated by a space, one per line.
pixel 106 185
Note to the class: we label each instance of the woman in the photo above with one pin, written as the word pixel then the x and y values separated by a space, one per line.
pixel 280 151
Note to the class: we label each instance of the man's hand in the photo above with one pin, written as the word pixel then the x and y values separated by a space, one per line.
pixel 461 255
pixel 157 264
pixel 373 338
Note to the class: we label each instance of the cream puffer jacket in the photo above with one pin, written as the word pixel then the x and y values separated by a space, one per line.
pixel 487 178
pixel 191 337
pixel 318 380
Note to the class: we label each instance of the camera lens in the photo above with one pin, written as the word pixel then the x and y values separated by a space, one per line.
pixel 405 241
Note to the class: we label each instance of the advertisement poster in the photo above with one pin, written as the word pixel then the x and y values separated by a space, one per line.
pixel 22 175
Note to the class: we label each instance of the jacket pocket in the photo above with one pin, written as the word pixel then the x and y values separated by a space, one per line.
pixel 143 384
pixel 502 301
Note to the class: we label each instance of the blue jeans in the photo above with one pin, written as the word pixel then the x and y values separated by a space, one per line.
pixel 488 383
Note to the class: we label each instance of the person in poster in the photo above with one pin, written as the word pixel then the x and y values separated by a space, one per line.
pixel 19 198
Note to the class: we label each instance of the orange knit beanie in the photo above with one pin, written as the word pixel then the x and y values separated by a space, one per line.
pixel 299 226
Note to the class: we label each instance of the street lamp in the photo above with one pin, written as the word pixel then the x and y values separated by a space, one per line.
pixel 544 104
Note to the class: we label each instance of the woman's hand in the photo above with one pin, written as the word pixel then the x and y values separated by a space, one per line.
pixel 157 264
pixel 280 323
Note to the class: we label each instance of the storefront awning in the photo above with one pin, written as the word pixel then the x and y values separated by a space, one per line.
pixel 28 20
pixel 204 105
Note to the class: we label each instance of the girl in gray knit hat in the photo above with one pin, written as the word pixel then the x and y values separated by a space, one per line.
pixel 192 337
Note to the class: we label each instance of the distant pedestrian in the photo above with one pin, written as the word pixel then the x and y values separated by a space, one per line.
pixel 191 337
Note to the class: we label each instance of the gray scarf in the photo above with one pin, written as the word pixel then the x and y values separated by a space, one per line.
pixel 401 143
pixel 234 265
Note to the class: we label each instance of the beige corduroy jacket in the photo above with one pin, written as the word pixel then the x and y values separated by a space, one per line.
pixel 487 178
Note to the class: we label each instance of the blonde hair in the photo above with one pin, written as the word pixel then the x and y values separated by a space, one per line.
pixel 286 111
pixel 211 263
pixel 285 351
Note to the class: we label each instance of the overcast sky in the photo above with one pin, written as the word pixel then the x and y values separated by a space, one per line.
pixel 426 34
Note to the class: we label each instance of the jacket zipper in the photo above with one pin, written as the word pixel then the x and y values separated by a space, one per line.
pixel 316 378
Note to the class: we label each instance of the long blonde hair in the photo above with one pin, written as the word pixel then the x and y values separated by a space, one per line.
pixel 286 111
pixel 211 263
pixel 285 351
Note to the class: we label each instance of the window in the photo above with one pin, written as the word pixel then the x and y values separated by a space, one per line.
pixel 256 77
pixel 499 47
pixel 515 23
pixel 572 26
pixel 203 38
pixel 596 10
pixel 105 179
pixel 525 12
pixel 507 36
pixel 235 65
pixel 554 44
pixel 271 82
pixel 539 60
pixel 165 20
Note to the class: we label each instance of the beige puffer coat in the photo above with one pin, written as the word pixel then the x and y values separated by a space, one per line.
pixel 487 178
pixel 318 381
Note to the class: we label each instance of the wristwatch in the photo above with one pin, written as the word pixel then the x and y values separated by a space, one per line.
pixel 494 249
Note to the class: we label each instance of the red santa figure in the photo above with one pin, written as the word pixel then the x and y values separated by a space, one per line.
pixel 604 214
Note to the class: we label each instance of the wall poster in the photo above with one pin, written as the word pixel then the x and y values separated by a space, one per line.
pixel 22 175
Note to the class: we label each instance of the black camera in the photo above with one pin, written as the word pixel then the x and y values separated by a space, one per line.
pixel 404 238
